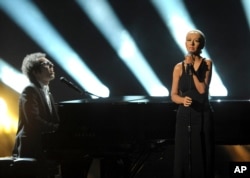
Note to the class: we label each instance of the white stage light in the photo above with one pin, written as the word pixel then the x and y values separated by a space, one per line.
pixel 35 24
pixel 178 21
pixel 109 25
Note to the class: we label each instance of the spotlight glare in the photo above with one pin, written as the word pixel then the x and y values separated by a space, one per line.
pixel 123 43
pixel 7 123
pixel 246 7
pixel 178 21
pixel 8 73
pixel 40 30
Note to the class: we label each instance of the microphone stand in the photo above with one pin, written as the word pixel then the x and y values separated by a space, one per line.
pixel 73 86
pixel 189 128
pixel 89 94
pixel 189 144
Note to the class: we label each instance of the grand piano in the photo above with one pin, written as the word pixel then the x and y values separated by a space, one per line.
pixel 131 127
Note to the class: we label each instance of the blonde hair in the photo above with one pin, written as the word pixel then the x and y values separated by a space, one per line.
pixel 203 37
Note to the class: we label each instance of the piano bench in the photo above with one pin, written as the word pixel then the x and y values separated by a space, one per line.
pixel 11 167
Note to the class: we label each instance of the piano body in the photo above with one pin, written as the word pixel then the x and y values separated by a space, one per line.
pixel 106 127
pixel 136 125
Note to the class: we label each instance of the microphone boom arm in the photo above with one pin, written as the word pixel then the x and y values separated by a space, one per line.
pixel 73 86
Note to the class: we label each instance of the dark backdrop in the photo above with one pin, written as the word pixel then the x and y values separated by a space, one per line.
pixel 223 22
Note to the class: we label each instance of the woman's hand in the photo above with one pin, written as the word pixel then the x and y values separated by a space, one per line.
pixel 189 59
pixel 187 101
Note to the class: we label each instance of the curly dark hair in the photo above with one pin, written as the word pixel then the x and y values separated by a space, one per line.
pixel 31 63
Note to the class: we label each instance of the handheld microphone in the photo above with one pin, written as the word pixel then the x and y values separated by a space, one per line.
pixel 70 84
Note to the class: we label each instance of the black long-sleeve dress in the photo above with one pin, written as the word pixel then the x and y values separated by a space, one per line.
pixel 194 137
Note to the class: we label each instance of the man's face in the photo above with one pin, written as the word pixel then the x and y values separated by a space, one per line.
pixel 46 73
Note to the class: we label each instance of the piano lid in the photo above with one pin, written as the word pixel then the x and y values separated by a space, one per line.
pixel 150 99
pixel 124 99
pixel 148 118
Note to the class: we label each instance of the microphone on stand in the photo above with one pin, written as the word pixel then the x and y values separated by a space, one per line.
pixel 189 70
pixel 70 84
pixel 191 54
pixel 189 67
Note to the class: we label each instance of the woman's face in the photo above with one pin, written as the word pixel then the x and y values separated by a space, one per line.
pixel 194 42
